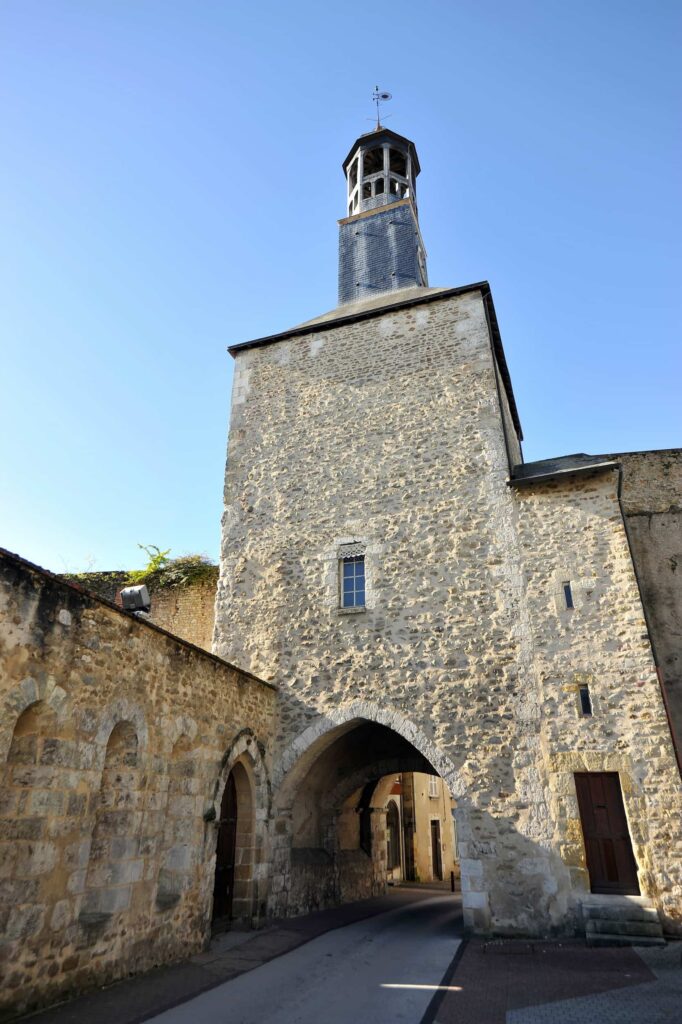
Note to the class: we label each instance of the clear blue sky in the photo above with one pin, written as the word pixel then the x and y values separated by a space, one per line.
pixel 170 184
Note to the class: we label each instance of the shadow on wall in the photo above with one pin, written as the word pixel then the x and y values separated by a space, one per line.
pixel 108 797
pixel 329 842
pixel 101 863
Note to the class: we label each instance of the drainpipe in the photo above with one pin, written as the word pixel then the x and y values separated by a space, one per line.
pixel 659 673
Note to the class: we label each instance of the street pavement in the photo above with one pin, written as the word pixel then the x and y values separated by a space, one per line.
pixel 384 970
pixel 398 958
pixel 563 982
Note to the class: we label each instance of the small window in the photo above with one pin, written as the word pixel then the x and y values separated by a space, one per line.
pixel 433 786
pixel 398 162
pixel 367 190
pixel 353 581
pixel 568 594
pixel 398 188
pixel 378 186
pixel 585 701
pixel 353 175
pixel 373 162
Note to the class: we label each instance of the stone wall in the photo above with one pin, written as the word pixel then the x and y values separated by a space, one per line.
pixel 116 740
pixel 571 531
pixel 386 430
pixel 186 610
pixel 652 500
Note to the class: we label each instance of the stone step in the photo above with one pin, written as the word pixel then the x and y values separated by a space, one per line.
pixel 610 927
pixel 604 939
pixel 621 912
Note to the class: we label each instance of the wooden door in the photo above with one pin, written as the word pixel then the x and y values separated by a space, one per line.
pixel 225 854
pixel 608 849
pixel 436 858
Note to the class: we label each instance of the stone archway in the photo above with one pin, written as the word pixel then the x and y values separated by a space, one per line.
pixel 236 821
pixel 235 847
pixel 305 747
pixel 329 835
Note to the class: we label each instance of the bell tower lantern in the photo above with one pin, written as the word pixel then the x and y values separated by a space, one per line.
pixel 380 245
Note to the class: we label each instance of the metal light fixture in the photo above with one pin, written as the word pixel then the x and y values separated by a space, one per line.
pixel 136 599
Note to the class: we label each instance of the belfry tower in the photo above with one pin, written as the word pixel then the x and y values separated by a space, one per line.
pixel 380 245
pixel 426 601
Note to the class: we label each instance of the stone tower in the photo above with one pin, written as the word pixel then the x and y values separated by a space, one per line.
pixel 425 601
pixel 380 245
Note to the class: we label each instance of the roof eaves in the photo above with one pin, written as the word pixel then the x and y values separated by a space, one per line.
pixel 367 314
pixel 386 133
pixel 560 474
pixel 501 358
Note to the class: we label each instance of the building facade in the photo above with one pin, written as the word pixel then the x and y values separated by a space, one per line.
pixel 418 617
pixel 390 561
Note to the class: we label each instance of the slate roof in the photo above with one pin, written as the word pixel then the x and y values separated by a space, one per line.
pixel 563 466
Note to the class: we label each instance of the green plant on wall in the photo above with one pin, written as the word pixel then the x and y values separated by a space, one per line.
pixel 158 559
pixel 162 571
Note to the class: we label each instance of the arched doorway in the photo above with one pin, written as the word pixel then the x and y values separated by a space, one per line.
pixel 393 851
pixel 233 884
pixel 226 849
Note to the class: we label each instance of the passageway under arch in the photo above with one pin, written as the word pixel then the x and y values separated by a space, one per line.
pixel 331 837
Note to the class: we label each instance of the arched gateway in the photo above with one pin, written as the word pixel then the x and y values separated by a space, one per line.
pixel 330 835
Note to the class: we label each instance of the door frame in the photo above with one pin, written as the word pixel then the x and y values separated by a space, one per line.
pixel 621 855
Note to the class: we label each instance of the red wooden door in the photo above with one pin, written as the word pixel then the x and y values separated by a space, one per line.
pixel 225 854
pixel 610 860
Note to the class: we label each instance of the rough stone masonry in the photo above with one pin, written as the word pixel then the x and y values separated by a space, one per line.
pixel 116 740
pixel 383 425
pixel 498 596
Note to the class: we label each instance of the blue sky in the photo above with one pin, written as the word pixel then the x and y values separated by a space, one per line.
pixel 170 184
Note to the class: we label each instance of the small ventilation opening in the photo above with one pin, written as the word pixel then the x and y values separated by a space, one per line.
pixel 585 701
pixel 568 594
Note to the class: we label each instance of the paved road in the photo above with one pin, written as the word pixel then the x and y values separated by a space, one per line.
pixel 384 970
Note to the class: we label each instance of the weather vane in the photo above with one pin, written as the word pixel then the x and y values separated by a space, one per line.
pixel 380 97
